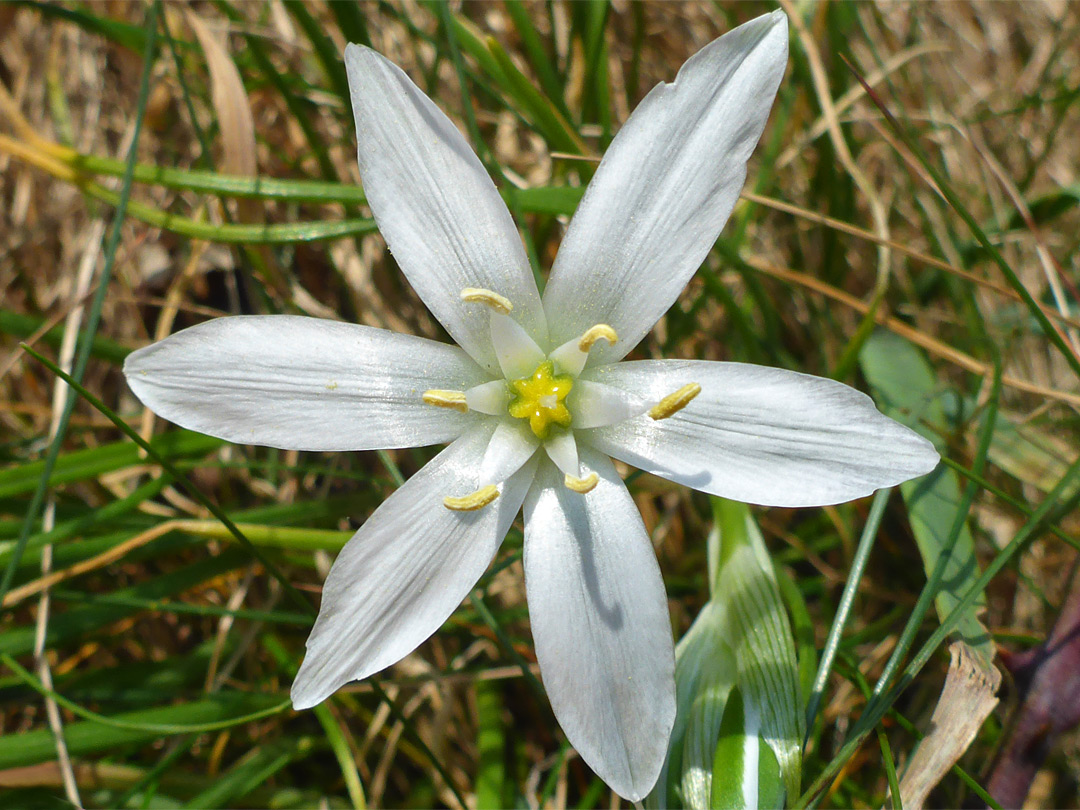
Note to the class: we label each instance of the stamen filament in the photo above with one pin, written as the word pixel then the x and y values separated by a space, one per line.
pixel 675 402
pixel 478 295
pixel 594 333
pixel 447 399
pixel 473 501
pixel 582 485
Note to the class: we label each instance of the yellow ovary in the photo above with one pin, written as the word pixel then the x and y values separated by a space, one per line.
pixel 539 398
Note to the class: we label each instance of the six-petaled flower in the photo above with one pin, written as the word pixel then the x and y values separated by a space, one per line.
pixel 535 400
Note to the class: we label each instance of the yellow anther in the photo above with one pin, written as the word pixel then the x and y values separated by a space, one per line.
pixel 479 295
pixel 447 399
pixel 582 485
pixel 673 403
pixel 473 501
pixel 594 333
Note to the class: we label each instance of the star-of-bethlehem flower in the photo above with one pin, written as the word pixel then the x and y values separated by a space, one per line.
pixel 535 400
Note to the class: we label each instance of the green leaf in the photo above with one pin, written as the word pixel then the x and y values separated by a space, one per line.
pixel 537 109
pixel 740 644
pixel 760 634
pixel 78 622
pixel 491 746
pixel 129 36
pixel 1049 207
pixel 701 657
pixel 770 792
pixel 90 463
pixel 89 737
pixel 225 185
pixel 746 772
pixel 906 389
pixel 325 50
pixel 229 233
pixel 803 627
pixel 350 19
pixel 704 675
pixel 546 72
pixel 535 106
pixel 1029 453
pixel 734 765
pixel 253 769
pixel 19 325
pixel 555 200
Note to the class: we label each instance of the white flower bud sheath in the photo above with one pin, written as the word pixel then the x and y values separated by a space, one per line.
pixel 536 399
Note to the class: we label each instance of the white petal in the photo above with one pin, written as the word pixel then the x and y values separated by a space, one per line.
pixel 761 435
pixel 594 404
pixel 562 449
pixel 665 189
pixel 517 353
pixel 491 398
pixel 303 383
pixel 510 447
pixel 600 623
pixel 436 205
pixel 405 571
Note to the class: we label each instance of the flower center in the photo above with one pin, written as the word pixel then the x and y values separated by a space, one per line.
pixel 540 399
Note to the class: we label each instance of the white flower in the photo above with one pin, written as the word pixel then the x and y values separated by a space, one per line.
pixel 535 399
